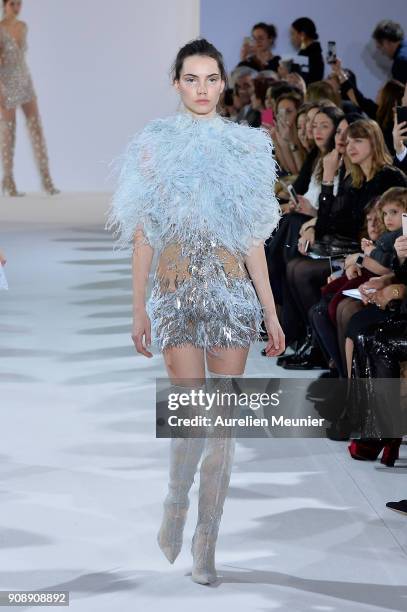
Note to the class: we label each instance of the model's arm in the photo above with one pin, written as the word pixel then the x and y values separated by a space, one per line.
pixel 256 264
pixel 141 264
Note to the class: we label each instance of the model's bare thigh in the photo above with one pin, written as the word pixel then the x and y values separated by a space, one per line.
pixel 185 363
pixel 229 360
pixel 8 114
pixel 30 108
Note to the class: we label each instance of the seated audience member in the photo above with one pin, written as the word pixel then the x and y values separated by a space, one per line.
pixel 283 245
pixel 374 259
pixel 258 101
pixel 258 53
pixel 389 37
pixel 227 104
pixel 325 90
pixel 380 350
pixel 301 124
pixel 322 90
pixel 400 138
pixel 372 174
pixel 390 95
pixel 326 330
pixel 304 38
pixel 243 78
pixel 288 149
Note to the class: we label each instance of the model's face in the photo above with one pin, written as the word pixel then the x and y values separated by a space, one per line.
pixel 392 216
pixel 200 85
pixel 309 123
pixel 373 228
pixel 246 88
pixel 359 150
pixel 340 137
pixel 12 8
pixel 287 111
pixel 322 128
pixel 302 130
pixel 262 42
pixel 295 38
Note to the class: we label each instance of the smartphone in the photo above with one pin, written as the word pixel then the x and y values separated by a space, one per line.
pixel 404 224
pixel 248 40
pixel 331 55
pixel 306 247
pixel 293 195
pixel 401 113
pixel 267 116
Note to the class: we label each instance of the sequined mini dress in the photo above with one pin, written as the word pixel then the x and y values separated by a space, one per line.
pixel 202 191
pixel 15 79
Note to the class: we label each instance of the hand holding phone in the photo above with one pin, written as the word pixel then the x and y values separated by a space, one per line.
pixel 331 55
pixel 401 112
pixel 293 196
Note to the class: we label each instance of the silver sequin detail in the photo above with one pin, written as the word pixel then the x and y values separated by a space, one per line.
pixel 15 79
pixel 202 295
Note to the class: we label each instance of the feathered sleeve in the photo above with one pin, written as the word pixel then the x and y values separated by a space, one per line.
pixel 261 205
pixel 132 206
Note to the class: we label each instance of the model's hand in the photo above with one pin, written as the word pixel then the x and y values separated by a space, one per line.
pixel 276 342
pixel 142 331
pixel 3 259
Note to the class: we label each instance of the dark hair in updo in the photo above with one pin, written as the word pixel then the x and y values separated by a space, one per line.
pixel 306 26
pixel 269 28
pixel 199 46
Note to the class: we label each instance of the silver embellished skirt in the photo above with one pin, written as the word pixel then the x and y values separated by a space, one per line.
pixel 16 84
pixel 202 295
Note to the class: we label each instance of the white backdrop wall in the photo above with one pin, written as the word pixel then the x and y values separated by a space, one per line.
pixel 101 70
pixel 350 23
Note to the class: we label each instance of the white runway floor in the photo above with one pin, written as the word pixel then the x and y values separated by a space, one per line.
pixel 82 476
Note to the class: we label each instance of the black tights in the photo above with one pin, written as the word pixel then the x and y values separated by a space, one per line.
pixel 302 290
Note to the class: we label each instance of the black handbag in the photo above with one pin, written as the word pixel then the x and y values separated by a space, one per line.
pixel 335 246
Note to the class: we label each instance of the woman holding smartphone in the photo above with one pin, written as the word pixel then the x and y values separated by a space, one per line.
pixel 256 51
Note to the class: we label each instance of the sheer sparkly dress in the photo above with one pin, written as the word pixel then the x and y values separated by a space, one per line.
pixel 16 89
pixel 15 79
pixel 202 191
